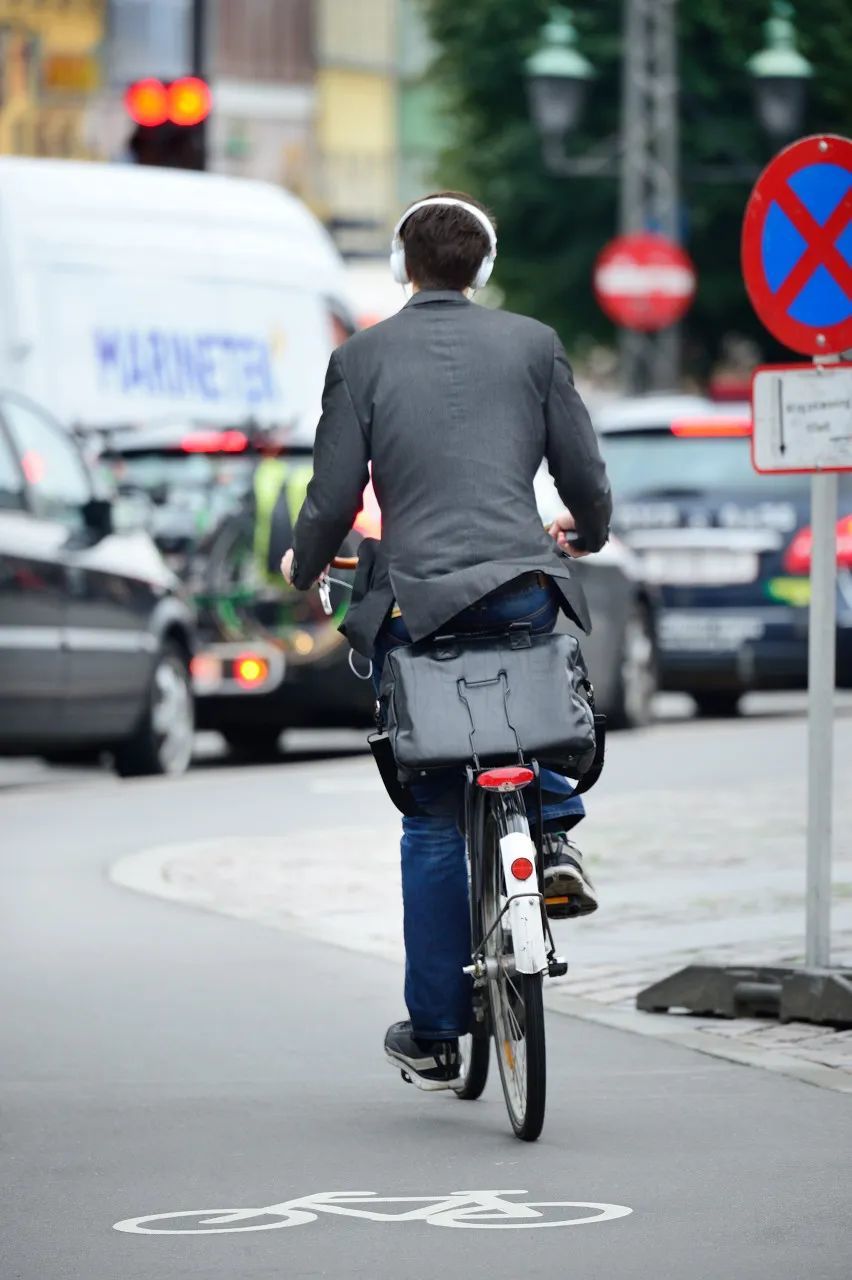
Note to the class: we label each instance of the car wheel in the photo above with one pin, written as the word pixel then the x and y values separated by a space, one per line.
pixel 636 684
pixel 719 703
pixel 162 741
pixel 254 745
pixel 74 757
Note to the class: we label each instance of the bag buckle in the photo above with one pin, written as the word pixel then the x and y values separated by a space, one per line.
pixel 520 635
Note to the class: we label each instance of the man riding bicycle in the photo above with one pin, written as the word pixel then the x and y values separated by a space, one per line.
pixel 455 406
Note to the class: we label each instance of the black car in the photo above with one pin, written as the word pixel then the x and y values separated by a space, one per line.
pixel 95 636
pixel 728 549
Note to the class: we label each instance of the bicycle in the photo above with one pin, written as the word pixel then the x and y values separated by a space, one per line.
pixel 513 944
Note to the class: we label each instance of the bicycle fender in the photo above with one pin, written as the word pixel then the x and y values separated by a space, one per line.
pixel 524 906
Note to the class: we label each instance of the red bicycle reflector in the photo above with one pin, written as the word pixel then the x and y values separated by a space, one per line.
pixel 522 868
pixel 189 101
pixel 250 670
pixel 507 779
pixel 147 103
pixel 705 427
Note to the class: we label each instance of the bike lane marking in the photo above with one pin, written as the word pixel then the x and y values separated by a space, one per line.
pixel 469 1210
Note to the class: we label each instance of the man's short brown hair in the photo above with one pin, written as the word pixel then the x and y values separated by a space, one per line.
pixel 444 245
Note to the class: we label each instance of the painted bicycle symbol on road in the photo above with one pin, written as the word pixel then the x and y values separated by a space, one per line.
pixel 478 1210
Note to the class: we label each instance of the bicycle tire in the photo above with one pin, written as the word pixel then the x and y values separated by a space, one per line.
pixel 515 1000
pixel 474 1076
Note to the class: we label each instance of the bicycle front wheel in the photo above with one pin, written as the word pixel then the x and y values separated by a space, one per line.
pixel 474 1066
pixel 515 999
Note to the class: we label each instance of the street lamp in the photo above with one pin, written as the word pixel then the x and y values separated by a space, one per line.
pixel 557 78
pixel 780 76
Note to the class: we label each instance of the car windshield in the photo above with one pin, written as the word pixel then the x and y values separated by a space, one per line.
pixel 657 463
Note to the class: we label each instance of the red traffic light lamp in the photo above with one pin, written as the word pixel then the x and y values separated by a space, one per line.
pixel 189 101
pixel 185 102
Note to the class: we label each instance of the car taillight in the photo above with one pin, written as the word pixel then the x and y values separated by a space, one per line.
pixel 250 670
pixel 797 557
pixel 704 427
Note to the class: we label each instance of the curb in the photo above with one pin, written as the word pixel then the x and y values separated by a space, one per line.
pixel 145 872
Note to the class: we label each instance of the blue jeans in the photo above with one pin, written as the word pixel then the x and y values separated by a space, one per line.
pixel 436 914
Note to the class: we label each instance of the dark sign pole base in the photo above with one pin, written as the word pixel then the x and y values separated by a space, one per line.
pixel 823 996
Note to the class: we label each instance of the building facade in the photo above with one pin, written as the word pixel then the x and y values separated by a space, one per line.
pixel 261 66
pixel 50 72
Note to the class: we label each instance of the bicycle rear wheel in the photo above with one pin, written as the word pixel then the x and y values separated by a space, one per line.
pixel 515 999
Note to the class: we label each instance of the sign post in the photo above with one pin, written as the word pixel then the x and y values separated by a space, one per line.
pixel 821 660
pixel 797 268
pixel 803 422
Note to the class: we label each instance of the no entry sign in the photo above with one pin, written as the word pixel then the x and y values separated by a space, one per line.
pixel 797 246
pixel 644 281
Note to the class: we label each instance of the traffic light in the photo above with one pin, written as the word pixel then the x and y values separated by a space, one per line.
pixel 170 121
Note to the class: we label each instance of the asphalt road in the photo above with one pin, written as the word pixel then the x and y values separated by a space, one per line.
pixel 157 1059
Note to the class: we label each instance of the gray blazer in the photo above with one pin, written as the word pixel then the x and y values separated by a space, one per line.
pixel 456 406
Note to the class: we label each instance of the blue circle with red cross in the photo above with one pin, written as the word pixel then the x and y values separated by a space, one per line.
pixel 797 246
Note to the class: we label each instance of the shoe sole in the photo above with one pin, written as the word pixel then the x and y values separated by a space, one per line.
pixel 414 1077
pixel 566 882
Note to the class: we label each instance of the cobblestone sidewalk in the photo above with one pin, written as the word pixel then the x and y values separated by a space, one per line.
pixel 679 882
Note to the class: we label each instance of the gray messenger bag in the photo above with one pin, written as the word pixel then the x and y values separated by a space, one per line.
pixel 489 700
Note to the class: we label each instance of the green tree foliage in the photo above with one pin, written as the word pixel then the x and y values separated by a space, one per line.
pixel 552 228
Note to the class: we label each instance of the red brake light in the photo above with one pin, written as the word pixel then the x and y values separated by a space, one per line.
pixel 214 442
pixel 522 868
pixel 250 670
pixel 509 779
pixel 797 557
pixel 32 464
pixel 711 427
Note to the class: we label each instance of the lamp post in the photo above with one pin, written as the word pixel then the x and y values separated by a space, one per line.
pixel 780 75
pixel 645 155
pixel 557 79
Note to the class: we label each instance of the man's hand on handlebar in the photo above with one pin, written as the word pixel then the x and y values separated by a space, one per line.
pixel 561 530
pixel 287 566
pixel 339 562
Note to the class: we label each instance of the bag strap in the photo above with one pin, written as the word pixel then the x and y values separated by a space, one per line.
pixel 595 769
pixel 400 795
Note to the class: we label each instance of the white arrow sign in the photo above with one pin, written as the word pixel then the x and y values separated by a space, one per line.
pixel 802 418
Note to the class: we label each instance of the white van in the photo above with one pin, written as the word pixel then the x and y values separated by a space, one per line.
pixel 133 295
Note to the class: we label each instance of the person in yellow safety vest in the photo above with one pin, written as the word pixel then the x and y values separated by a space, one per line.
pixel 279 485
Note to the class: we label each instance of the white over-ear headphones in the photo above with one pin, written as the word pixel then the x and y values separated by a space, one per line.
pixel 399 271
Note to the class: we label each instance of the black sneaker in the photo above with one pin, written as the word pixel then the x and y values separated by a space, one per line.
pixel 430 1064
pixel 568 891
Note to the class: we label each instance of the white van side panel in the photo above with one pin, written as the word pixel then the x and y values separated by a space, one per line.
pixel 137 295
pixel 113 349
